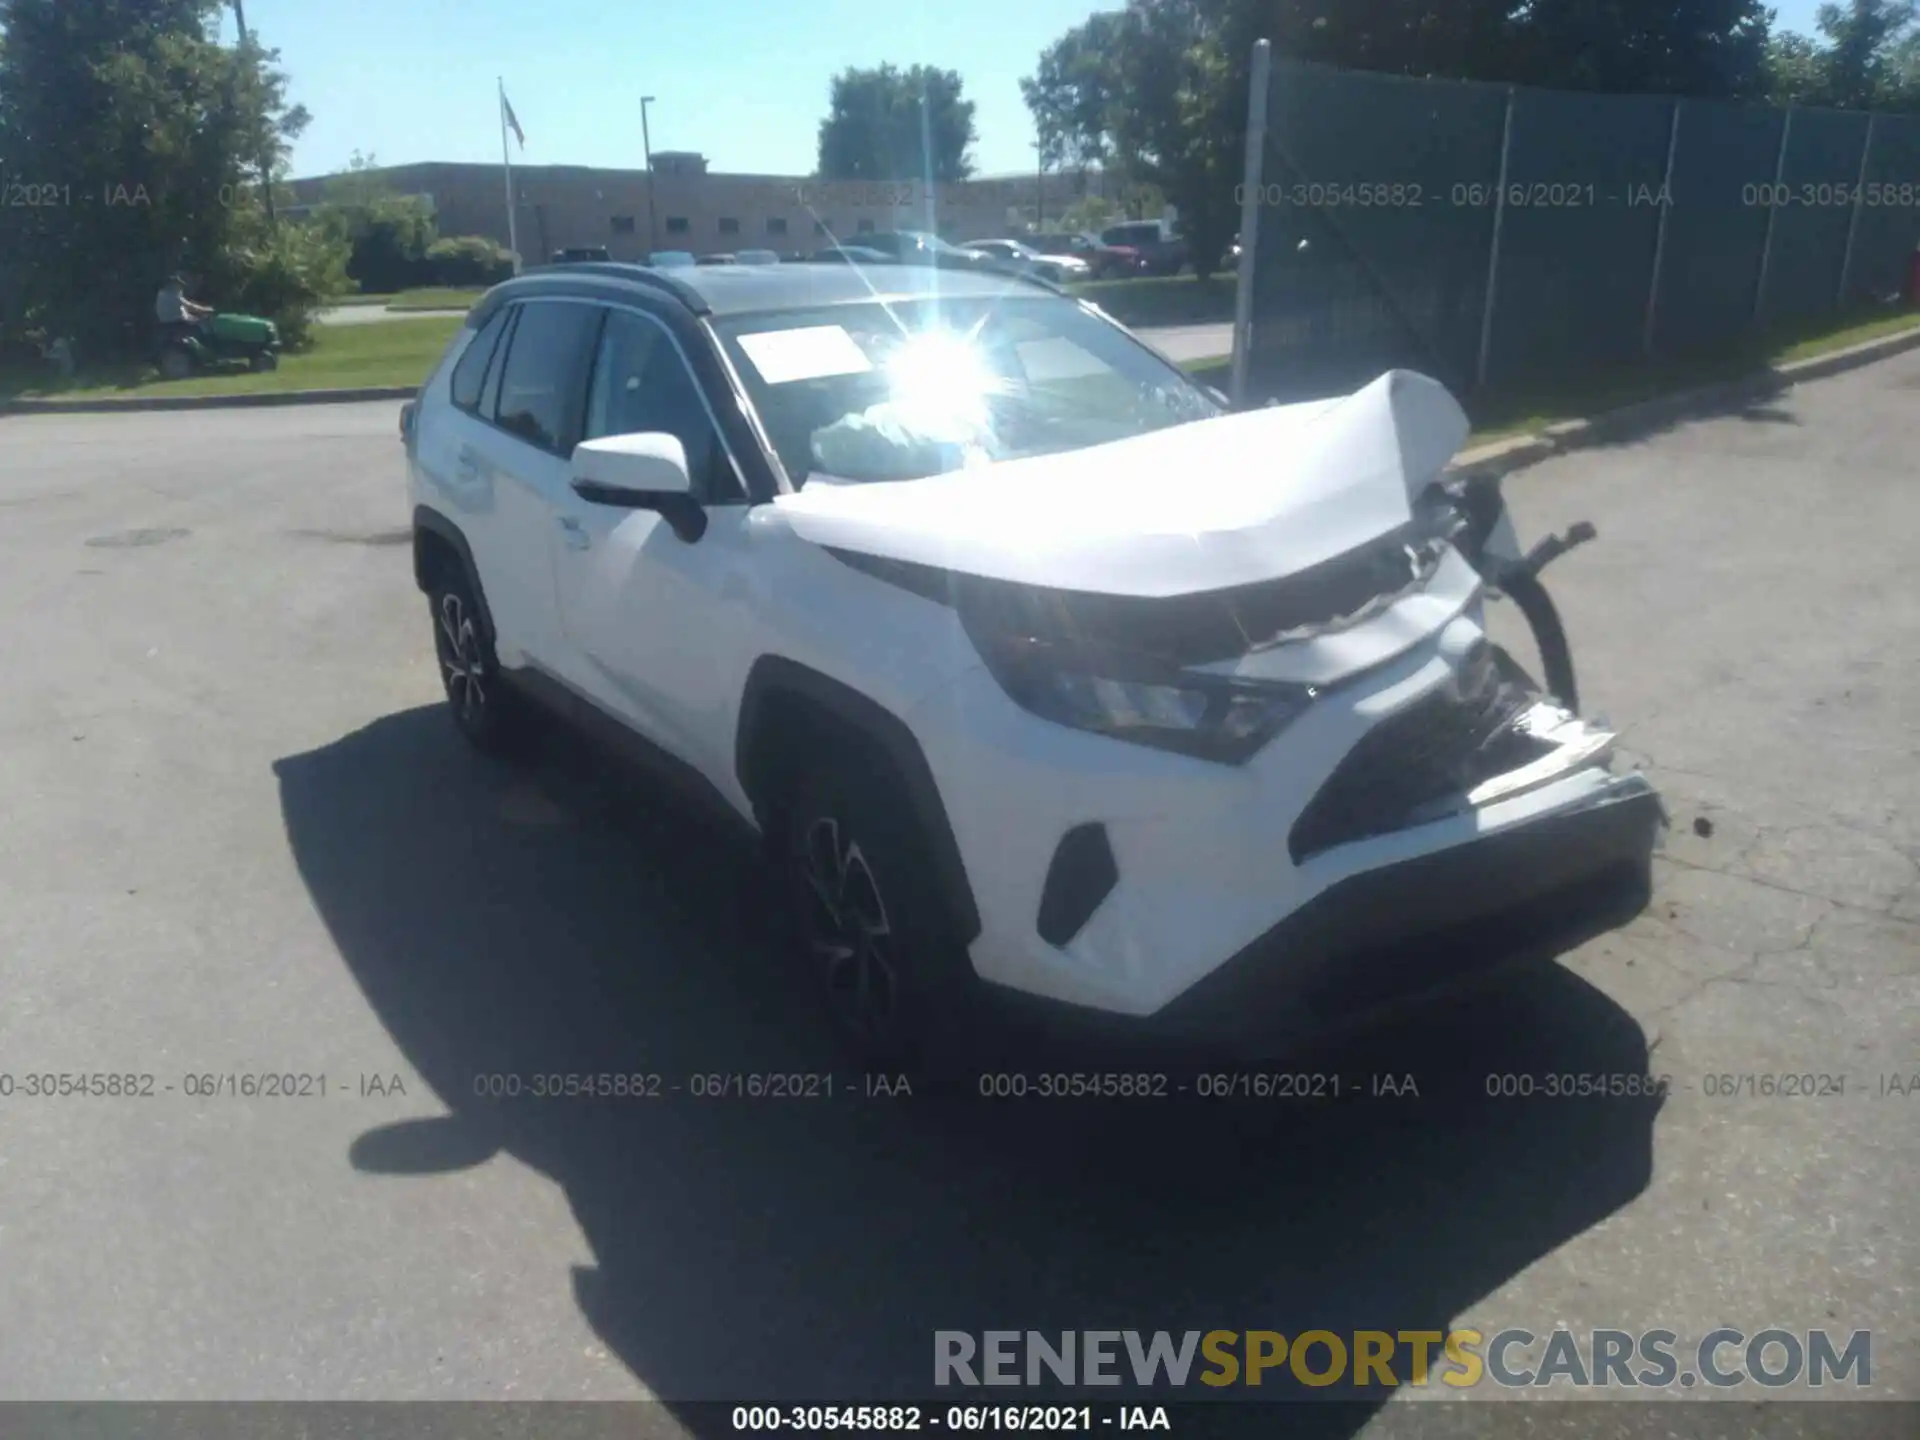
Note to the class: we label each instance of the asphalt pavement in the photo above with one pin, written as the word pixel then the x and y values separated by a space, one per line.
pixel 243 850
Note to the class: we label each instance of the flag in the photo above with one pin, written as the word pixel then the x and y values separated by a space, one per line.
pixel 513 121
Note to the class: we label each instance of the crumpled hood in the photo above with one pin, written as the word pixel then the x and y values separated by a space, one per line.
pixel 1204 506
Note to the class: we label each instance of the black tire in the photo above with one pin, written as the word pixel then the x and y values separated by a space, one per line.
pixel 176 363
pixel 483 709
pixel 266 360
pixel 868 922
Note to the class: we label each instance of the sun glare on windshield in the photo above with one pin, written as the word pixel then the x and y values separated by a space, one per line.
pixel 939 384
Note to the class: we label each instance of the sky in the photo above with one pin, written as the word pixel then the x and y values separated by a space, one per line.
pixel 744 82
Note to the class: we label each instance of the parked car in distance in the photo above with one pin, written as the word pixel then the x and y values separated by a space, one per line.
pixel 1034 673
pixel 582 255
pixel 671 259
pixel 1057 268
pixel 1103 261
pixel 758 257
pixel 852 255
pixel 920 247
pixel 1161 249
pixel 722 258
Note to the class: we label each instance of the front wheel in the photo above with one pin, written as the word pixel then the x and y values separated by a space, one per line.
pixel 264 361
pixel 869 923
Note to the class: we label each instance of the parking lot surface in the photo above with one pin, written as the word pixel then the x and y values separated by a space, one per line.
pixel 240 843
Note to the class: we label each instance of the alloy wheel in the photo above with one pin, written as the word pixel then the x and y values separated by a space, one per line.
pixel 848 930
pixel 461 660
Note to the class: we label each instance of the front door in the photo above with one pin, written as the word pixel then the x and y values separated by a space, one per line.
pixel 652 622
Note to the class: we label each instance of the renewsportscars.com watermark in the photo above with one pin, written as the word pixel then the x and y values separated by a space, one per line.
pixel 1774 1358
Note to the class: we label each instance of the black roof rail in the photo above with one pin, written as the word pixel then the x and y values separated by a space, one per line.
pixel 624 270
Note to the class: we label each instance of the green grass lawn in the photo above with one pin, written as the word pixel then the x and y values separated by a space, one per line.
pixel 398 352
pixel 435 298
pixel 360 300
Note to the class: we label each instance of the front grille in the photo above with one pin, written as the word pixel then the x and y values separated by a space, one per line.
pixel 1409 766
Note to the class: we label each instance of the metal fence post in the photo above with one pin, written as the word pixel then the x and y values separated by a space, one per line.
pixel 1257 95
pixel 1660 235
pixel 1493 250
pixel 1853 222
pixel 1773 213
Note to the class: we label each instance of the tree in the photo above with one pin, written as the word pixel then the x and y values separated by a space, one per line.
pixel 389 235
pixel 152 136
pixel 1796 70
pixel 1868 57
pixel 1158 93
pixel 882 123
pixel 1071 95
pixel 1715 49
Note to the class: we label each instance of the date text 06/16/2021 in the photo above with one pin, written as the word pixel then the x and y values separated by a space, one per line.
pixel 958 1419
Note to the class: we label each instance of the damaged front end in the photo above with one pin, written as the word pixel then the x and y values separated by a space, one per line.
pixel 1345 545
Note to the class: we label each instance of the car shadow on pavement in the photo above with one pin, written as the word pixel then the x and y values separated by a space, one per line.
pixel 537 921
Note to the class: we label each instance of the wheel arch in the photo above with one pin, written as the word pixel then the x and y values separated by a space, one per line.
pixel 786 707
pixel 437 542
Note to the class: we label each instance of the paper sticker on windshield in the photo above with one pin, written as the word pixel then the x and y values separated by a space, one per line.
pixel 812 353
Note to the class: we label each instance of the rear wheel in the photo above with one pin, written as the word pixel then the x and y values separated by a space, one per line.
pixel 482 707
pixel 870 925
pixel 175 363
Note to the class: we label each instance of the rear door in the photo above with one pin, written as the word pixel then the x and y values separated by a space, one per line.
pixel 527 424
pixel 653 623
pixel 451 432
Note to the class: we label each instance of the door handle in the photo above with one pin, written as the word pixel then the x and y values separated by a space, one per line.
pixel 468 464
pixel 574 533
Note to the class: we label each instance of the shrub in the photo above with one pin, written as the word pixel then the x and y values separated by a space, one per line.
pixel 282 276
pixel 465 261
pixel 388 237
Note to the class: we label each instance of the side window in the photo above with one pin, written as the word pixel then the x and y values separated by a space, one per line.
pixel 640 383
pixel 470 375
pixel 490 389
pixel 546 365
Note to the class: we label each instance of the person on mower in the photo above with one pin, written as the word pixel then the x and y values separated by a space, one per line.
pixel 179 317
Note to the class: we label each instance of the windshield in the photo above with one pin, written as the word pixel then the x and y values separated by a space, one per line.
pixel 900 391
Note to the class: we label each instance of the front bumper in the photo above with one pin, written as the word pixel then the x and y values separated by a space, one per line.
pixel 1384 939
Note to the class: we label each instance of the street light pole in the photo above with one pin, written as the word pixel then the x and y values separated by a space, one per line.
pixel 1039 187
pixel 653 220
pixel 266 163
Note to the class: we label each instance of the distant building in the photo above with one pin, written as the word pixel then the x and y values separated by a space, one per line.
pixel 568 206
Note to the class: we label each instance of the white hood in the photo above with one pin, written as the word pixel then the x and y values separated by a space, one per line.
pixel 1204 506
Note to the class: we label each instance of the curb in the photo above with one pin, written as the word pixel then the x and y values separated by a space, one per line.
pixel 208 402
pixel 1503 457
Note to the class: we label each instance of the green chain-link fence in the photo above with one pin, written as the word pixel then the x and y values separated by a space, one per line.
pixel 1497 236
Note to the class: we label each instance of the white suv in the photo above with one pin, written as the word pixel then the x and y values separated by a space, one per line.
pixel 1043 674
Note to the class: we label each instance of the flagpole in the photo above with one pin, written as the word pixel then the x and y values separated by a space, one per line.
pixel 506 160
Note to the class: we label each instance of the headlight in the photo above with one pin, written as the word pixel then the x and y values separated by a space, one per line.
pixel 1210 717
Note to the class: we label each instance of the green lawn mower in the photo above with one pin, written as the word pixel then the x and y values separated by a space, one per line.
pixel 221 340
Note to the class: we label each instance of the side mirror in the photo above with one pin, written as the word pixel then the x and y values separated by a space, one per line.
pixel 646 471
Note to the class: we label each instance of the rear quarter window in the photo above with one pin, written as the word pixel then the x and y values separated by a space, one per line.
pixel 470 375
